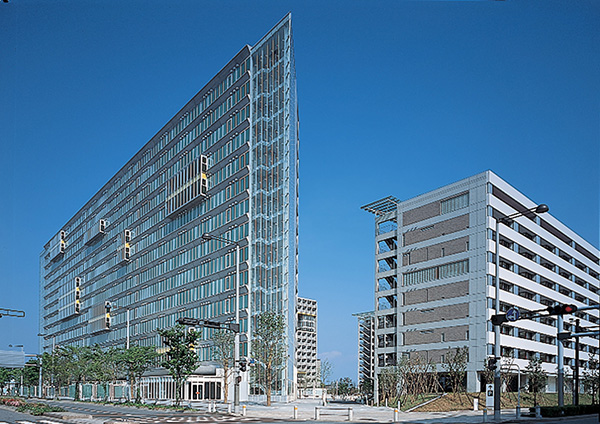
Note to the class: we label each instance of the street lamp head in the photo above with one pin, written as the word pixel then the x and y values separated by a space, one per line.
pixel 543 208
pixel 207 236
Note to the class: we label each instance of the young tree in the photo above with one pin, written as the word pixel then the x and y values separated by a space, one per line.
pixel 78 361
pixel 223 344
pixel 326 371
pixel 135 361
pixel 345 386
pixel 389 379
pixel 31 373
pixel 591 378
pixel 55 370
pixel 536 376
pixel 456 367
pixel 269 349
pixel 6 375
pixel 366 389
pixel 182 358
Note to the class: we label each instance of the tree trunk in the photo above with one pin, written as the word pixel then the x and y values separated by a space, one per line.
pixel 269 377
pixel 226 373
pixel 177 391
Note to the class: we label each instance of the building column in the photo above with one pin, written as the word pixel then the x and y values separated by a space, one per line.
pixel 473 382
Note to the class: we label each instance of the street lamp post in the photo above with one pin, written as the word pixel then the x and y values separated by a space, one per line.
pixel 506 220
pixel 236 343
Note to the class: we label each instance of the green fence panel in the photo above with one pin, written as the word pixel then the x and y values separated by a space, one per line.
pixel 87 391
pixel 118 391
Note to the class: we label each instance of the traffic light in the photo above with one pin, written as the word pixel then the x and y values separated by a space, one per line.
pixel 243 366
pixel 107 308
pixel 491 363
pixel 499 319
pixel 188 321
pixel 561 309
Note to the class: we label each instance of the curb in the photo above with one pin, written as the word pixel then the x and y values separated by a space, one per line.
pixel 66 415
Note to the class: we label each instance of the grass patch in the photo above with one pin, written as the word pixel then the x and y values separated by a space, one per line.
pixel 412 401
pixel 464 401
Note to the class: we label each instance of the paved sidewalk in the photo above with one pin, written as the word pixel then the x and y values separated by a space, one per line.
pixel 361 413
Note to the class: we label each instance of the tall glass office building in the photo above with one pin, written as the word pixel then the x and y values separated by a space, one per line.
pixel 226 164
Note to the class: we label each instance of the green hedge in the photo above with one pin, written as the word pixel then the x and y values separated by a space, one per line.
pixel 38 408
pixel 559 411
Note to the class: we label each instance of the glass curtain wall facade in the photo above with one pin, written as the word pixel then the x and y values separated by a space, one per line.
pixel 226 164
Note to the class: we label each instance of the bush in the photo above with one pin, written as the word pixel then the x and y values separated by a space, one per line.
pixel 11 402
pixel 569 410
pixel 38 408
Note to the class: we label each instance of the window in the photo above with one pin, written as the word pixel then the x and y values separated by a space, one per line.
pixel 454 203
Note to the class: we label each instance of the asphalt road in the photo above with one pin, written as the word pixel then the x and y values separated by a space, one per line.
pixel 12 417
pixel 103 413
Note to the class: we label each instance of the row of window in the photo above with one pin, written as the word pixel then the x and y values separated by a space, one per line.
pixel 450 270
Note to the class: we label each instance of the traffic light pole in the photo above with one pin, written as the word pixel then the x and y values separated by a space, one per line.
pixel 576 373
pixel 236 344
pixel 497 353
pixel 541 208
pixel 561 364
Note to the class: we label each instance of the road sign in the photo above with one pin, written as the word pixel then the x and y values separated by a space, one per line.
pixel 489 396
pixel 512 314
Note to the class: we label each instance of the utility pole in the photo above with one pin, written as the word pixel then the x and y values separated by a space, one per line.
pixel 576 372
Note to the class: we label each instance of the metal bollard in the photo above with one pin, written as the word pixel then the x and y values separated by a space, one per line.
pixel 396 417
pixel 485 420
pixel 243 410
pixel 518 412
pixel 316 413
pixel 295 412
pixel 350 414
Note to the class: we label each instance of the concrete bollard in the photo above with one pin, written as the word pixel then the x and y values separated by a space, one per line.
pixel 475 404
pixel 350 414
pixel 396 417
pixel 295 412
pixel 316 413
pixel 243 410
pixel 229 408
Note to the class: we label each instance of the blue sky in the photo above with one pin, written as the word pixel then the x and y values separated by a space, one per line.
pixel 395 98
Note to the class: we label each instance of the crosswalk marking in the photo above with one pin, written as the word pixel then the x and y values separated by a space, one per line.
pixel 48 422
pixel 25 422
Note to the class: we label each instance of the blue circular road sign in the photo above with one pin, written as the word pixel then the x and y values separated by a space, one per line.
pixel 512 314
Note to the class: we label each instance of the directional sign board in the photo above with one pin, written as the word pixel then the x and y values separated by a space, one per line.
pixel 512 314
pixel 489 396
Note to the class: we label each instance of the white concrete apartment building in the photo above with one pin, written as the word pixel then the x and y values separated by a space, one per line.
pixel 435 277
pixel 306 343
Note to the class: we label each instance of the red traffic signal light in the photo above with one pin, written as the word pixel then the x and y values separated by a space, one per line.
pixel 561 309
